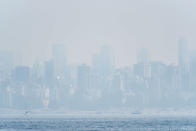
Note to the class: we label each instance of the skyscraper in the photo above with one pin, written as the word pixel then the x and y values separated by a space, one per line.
pixel 142 56
pixel 48 72
pixel 143 68
pixel 103 62
pixel 183 63
pixel 21 73
pixel 192 68
pixel 182 52
pixel 59 58
pixel 6 64
pixel 83 72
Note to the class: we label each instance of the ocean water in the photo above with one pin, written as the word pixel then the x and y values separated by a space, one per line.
pixel 99 124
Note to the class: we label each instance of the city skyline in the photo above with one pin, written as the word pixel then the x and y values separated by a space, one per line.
pixel 53 83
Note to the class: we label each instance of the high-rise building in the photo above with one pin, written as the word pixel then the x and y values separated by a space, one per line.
pixel 81 94
pixel 142 56
pixel 183 63
pixel 21 73
pixel 182 52
pixel 83 72
pixel 143 68
pixel 102 71
pixel 192 68
pixel 48 72
pixel 6 64
pixel 103 62
pixel 59 58
pixel 37 72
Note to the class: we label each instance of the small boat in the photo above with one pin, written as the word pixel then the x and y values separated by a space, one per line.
pixel 27 113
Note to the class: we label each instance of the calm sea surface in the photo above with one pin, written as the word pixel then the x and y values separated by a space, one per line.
pixel 99 124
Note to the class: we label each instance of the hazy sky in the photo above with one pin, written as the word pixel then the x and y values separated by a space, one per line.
pixel 30 27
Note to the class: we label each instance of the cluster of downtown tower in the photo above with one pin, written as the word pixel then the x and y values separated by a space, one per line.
pixel 56 84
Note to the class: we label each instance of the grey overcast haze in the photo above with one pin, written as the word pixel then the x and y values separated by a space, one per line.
pixel 30 27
